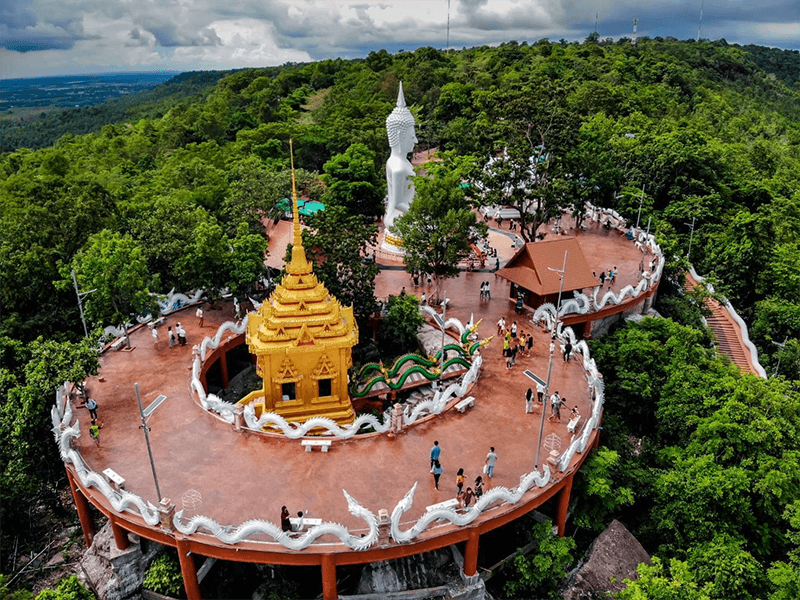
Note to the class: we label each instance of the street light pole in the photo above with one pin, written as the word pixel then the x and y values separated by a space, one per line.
pixel 641 200
pixel 691 235
pixel 444 321
pixel 550 365
pixel 146 429
pixel 80 301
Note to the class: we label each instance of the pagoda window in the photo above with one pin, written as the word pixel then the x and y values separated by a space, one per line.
pixel 288 391
pixel 325 387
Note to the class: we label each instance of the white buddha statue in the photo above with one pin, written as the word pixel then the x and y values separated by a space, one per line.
pixel 402 138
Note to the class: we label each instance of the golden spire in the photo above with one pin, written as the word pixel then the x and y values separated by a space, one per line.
pixel 298 265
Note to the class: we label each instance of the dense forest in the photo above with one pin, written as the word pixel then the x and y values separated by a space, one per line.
pixel 700 462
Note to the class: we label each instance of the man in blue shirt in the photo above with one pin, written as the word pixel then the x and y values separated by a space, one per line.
pixel 435 451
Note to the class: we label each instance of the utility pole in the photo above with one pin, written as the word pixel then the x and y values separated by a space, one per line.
pixel 691 235
pixel 552 351
pixel 641 199
pixel 146 429
pixel 81 295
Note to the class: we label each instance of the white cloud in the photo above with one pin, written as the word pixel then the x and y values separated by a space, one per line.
pixel 90 35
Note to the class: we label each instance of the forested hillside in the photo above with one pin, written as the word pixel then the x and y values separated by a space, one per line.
pixel 701 462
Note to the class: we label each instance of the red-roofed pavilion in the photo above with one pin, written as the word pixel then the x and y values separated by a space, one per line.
pixel 534 271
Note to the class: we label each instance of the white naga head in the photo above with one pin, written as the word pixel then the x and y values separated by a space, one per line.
pixel 400 125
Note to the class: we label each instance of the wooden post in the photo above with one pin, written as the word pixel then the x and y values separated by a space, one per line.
pixel 188 570
pixel 329 591
pixel 120 536
pixel 471 553
pixel 563 505
pixel 82 506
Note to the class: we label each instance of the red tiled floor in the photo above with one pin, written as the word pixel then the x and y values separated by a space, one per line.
pixel 243 476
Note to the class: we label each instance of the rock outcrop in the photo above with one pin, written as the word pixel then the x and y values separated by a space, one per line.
pixel 611 558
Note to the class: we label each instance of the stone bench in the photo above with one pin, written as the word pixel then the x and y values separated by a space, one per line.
pixel 573 424
pixel 463 404
pixel 323 445
pixel 115 478
pixel 118 343
pixel 452 503
pixel 295 521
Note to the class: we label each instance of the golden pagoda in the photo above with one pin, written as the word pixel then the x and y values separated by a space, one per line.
pixel 302 339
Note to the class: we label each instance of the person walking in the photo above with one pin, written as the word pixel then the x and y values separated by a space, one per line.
pixel 435 451
pixel 514 329
pixel 181 334
pixel 529 401
pixel 437 471
pixel 459 481
pixel 154 333
pixel 530 345
pixel 487 291
pixel 567 351
pixel 171 336
pixel 199 314
pixel 540 392
pixel 94 432
pixel 501 325
pixel 555 407
pixel 478 486
pixel 491 459
pixel 92 406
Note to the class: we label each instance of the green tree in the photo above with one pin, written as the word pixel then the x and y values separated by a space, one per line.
pixel 541 575
pixel 439 228
pixel 658 582
pixel 353 182
pixel 399 327
pixel 114 266
pixel 338 243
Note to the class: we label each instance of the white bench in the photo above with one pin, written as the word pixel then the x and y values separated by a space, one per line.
pixel 323 445
pixel 117 344
pixel 452 503
pixel 115 478
pixel 295 521
pixel 573 424
pixel 463 404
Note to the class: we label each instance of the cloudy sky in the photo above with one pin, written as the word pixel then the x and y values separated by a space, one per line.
pixel 64 37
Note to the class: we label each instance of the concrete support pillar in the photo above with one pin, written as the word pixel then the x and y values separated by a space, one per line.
pixel 82 506
pixel 563 505
pixel 223 368
pixel 188 571
pixel 471 554
pixel 329 591
pixel 120 536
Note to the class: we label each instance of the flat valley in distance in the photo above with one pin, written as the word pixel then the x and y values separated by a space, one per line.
pixel 21 97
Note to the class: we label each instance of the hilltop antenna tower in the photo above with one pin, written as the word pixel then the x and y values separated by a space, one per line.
pixel 700 23
pixel 633 41
pixel 448 26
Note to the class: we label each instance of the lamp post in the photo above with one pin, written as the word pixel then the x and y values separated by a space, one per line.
pixel 552 351
pixel 80 301
pixel 691 235
pixel 444 320
pixel 146 429
pixel 641 200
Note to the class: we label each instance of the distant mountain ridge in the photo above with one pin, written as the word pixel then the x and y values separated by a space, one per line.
pixel 82 104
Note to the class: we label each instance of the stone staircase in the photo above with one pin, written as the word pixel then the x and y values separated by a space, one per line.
pixel 727 332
